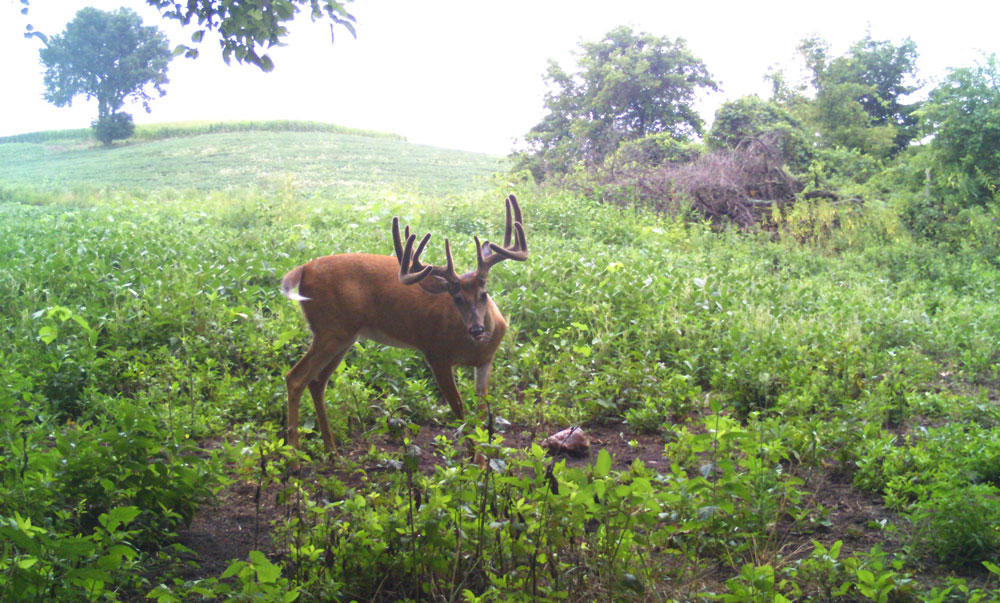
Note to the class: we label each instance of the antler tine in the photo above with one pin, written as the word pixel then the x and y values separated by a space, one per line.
pixel 479 251
pixel 518 251
pixel 449 272
pixel 446 272
pixel 517 208
pixel 507 225
pixel 409 260
pixel 415 261
pixel 411 270
pixel 510 201
pixel 396 242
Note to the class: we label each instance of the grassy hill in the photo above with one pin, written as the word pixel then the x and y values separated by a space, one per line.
pixel 807 413
pixel 303 157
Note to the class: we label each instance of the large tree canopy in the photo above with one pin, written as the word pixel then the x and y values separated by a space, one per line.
pixel 963 114
pixel 108 56
pixel 246 29
pixel 628 85
pixel 860 95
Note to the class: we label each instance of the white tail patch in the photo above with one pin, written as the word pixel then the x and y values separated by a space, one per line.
pixel 290 285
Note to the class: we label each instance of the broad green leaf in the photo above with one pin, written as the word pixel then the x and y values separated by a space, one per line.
pixel 603 465
pixel 48 334
pixel 267 572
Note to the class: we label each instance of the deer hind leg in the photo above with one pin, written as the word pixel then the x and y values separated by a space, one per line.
pixel 313 371
pixel 317 389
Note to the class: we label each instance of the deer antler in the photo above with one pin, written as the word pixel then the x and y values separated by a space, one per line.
pixel 491 254
pixel 410 269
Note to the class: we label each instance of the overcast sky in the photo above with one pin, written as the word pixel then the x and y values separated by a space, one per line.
pixel 468 74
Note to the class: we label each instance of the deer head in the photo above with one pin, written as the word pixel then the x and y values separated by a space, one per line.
pixel 468 291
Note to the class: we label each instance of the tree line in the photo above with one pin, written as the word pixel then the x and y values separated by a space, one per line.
pixel 632 95
pixel 854 123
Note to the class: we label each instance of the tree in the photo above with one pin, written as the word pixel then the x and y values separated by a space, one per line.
pixel 859 95
pixel 627 86
pixel 108 56
pixel 963 114
pixel 245 29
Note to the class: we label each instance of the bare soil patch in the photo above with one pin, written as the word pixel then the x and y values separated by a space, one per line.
pixel 239 521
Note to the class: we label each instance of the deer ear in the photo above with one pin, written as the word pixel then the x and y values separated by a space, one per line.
pixel 436 284
pixel 487 250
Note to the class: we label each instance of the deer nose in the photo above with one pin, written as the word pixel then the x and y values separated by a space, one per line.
pixel 477 331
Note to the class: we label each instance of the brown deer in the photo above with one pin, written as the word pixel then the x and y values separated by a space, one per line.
pixel 448 317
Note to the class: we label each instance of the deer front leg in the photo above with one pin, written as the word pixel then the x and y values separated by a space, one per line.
pixel 445 378
pixel 483 382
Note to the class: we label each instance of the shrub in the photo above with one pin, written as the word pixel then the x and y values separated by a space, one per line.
pixel 962 525
pixel 749 118
pixel 117 126
pixel 655 150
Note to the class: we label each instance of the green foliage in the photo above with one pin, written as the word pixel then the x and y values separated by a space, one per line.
pixel 40 562
pixel 146 343
pixel 195 128
pixel 117 126
pixel 963 114
pixel 655 150
pixel 264 156
pixel 627 86
pixel 246 30
pixel 860 95
pixel 108 56
pixel 749 117
pixel 961 525
pixel 947 481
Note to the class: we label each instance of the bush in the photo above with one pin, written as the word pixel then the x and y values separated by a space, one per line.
pixel 117 126
pixel 964 117
pixel 655 150
pixel 749 118
pixel 962 524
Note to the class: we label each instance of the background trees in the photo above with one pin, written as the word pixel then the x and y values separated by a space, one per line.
pixel 246 29
pixel 627 85
pixel 108 56
pixel 963 114
pixel 860 96
pixel 751 117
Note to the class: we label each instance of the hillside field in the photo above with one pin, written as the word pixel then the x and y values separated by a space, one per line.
pixel 214 159
pixel 805 412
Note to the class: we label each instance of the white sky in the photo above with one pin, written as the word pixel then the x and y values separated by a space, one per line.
pixel 467 74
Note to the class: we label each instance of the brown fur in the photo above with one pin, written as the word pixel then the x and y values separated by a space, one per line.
pixel 360 295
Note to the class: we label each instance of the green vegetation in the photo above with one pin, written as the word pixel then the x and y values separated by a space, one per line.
pixel 193 128
pixel 110 57
pixel 757 388
pixel 627 86
pixel 245 31
pixel 313 160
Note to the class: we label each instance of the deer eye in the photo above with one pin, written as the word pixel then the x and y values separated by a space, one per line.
pixel 458 300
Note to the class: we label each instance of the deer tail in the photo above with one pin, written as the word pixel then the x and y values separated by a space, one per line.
pixel 290 284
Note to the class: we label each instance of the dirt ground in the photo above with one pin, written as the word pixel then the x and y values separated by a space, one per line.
pixel 235 524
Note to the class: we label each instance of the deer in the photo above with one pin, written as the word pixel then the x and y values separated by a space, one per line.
pixel 400 302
